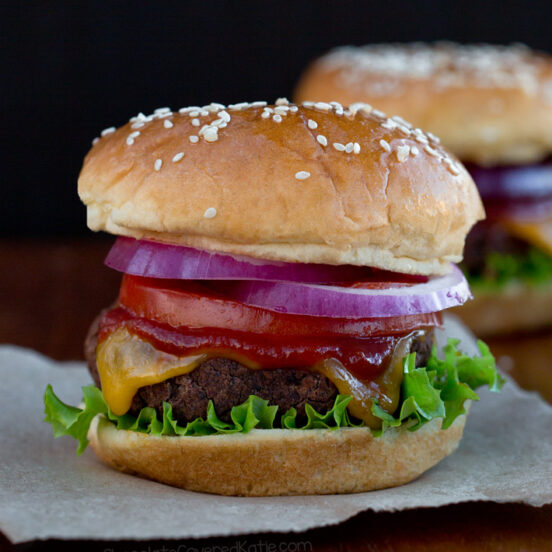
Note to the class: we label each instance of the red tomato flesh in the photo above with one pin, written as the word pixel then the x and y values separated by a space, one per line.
pixel 181 303
pixel 187 317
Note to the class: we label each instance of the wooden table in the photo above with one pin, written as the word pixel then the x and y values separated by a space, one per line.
pixel 50 290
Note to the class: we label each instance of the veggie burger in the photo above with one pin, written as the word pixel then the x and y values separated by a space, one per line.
pixel 284 272
pixel 492 106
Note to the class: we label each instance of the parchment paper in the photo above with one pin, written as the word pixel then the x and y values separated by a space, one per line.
pixel 47 492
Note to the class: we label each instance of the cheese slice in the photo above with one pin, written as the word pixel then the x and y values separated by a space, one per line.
pixel 126 363
pixel 538 233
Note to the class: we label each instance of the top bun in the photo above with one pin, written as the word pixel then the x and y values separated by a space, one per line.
pixel 489 104
pixel 315 183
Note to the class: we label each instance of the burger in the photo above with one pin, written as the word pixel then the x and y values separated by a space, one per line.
pixel 285 268
pixel 492 106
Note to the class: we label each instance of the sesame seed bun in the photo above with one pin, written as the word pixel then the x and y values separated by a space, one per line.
pixel 489 104
pixel 279 461
pixel 311 183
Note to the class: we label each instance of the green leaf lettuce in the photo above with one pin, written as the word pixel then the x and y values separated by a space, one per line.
pixel 438 390
pixel 532 268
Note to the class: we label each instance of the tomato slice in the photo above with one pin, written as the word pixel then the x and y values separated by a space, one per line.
pixel 199 305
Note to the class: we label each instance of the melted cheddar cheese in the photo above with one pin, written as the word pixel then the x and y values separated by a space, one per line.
pixel 538 233
pixel 127 362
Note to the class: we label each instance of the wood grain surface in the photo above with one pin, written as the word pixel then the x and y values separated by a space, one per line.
pixel 51 290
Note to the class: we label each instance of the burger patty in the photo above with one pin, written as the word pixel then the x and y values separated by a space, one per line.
pixel 228 383
pixel 488 238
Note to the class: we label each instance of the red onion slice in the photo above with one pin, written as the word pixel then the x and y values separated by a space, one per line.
pixel 159 260
pixel 519 182
pixel 439 293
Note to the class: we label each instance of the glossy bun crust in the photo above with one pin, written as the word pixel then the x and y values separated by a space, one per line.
pixel 310 183
pixel 278 461
pixel 488 104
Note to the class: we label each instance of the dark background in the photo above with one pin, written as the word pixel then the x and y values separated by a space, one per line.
pixel 70 69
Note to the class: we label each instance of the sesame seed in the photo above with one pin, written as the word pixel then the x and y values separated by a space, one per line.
pixel 312 124
pixel 258 104
pixel 402 153
pixel 379 114
pixel 137 124
pixel 134 134
pixel 277 118
pixel 356 148
pixel 238 106
pixel 281 109
pixel 321 139
pixel 95 141
pixel 323 106
pixel 157 164
pixel 195 122
pixel 210 134
pixel 308 104
pixel 453 167
pixel 431 151
pixel 389 124
pixel 163 115
pixel 433 138
pixel 161 110
pixel 282 101
pixel 349 147
pixel 338 146
pixel 293 108
pixel 360 106
pixel 224 116
pixel 265 114
pixel 385 145
pixel 130 141
pixel 194 113
pixel 302 175
pixel 178 157
pixel 194 139
pixel 106 131
pixel 167 123
pixel 214 107
pixel 210 213
pixel 414 151
pixel 401 121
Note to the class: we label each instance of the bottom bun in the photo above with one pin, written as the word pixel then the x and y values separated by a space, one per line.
pixel 278 461
pixel 516 309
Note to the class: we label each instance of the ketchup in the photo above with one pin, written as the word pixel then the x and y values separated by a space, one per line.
pixel 365 357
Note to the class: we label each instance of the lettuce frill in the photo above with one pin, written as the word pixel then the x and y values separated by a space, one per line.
pixel 438 390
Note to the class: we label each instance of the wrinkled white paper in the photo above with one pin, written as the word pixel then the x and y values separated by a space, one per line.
pixel 46 491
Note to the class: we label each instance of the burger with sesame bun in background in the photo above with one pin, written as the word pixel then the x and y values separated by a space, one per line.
pixel 492 106
pixel 279 324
